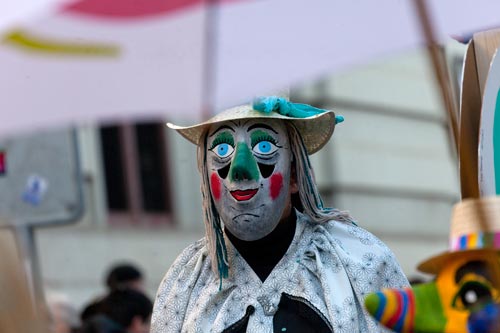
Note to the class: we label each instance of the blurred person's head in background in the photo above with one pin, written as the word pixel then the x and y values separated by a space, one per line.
pixel 120 276
pixel 131 309
pixel 125 275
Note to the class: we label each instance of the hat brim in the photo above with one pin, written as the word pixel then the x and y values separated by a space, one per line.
pixel 315 130
pixel 435 264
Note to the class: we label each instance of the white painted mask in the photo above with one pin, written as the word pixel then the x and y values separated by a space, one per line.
pixel 248 163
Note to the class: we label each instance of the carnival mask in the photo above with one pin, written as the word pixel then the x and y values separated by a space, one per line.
pixel 249 166
pixel 464 298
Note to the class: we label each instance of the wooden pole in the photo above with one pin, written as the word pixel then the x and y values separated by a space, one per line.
pixel 440 69
pixel 441 73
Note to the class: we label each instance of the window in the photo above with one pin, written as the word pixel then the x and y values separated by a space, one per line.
pixel 136 173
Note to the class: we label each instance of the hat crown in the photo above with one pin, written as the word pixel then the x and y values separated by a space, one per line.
pixel 475 224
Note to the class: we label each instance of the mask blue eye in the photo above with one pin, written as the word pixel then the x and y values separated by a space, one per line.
pixel 265 148
pixel 223 150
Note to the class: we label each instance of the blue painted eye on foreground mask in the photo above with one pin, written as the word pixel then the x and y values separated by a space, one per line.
pixel 223 150
pixel 265 148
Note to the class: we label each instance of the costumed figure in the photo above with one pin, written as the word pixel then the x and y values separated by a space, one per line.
pixel 465 295
pixel 274 259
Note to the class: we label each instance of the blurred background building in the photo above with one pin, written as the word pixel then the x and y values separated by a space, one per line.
pixel 391 164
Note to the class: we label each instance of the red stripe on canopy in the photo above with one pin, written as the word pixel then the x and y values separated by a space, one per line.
pixel 128 8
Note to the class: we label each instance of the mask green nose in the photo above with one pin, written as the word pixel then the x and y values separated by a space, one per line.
pixel 243 166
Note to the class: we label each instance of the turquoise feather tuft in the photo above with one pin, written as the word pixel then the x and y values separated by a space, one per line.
pixel 294 110
pixel 297 110
pixel 268 104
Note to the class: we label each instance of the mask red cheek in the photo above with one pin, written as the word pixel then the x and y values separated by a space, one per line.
pixel 275 185
pixel 215 185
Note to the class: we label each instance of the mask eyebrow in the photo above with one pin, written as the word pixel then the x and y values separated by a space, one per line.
pixel 221 128
pixel 479 267
pixel 261 126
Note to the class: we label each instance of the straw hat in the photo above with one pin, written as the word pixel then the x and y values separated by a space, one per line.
pixel 315 129
pixel 475 226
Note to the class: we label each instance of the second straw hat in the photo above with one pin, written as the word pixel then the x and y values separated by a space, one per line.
pixel 475 226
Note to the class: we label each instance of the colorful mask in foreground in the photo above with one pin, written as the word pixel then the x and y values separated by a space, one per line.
pixel 463 298
pixel 465 295
pixel 248 162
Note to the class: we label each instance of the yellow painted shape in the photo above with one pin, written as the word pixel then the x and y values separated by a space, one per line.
pixel 448 288
pixel 29 42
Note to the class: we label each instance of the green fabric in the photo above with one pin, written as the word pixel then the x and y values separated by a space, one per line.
pixel 429 313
